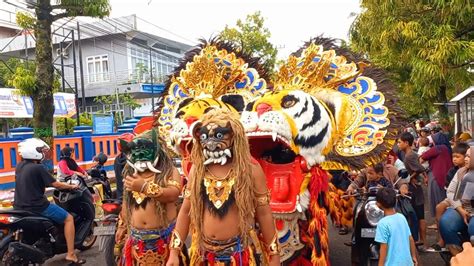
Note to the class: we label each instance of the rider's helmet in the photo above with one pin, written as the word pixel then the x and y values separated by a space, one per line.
pixel 128 137
pixel 101 158
pixel 32 149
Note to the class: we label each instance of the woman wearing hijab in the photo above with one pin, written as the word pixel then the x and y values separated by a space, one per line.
pixel 458 218
pixel 440 161
pixel 67 166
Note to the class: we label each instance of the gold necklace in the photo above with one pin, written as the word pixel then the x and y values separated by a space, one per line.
pixel 138 196
pixel 218 189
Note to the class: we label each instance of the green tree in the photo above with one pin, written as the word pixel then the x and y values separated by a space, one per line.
pixel 253 38
pixel 125 99
pixel 39 84
pixel 66 126
pixel 427 47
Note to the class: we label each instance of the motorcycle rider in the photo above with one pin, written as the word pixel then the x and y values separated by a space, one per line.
pixel 31 180
pixel 98 173
pixel 67 166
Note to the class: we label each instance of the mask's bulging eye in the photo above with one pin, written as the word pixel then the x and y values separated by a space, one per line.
pixel 203 136
pixel 219 135
pixel 289 103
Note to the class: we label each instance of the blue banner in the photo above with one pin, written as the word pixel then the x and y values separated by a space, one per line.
pixel 103 124
pixel 157 88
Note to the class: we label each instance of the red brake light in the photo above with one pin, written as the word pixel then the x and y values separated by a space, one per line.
pixel 7 219
pixel 111 207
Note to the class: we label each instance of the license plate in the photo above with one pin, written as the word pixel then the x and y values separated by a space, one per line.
pixel 104 230
pixel 367 233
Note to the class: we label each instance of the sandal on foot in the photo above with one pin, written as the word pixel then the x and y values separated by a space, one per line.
pixel 422 249
pixel 343 231
pixel 433 227
pixel 435 248
pixel 77 262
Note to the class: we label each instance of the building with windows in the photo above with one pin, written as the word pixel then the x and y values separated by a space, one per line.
pixel 118 58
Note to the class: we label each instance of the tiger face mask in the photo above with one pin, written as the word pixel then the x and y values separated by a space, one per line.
pixel 216 140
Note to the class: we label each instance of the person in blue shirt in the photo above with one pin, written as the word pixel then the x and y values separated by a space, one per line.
pixel 397 246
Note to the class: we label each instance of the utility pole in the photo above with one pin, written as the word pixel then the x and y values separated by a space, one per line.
pixel 26 48
pixel 76 96
pixel 81 71
pixel 152 87
pixel 61 47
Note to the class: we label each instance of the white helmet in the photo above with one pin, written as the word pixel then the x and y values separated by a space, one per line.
pixel 32 149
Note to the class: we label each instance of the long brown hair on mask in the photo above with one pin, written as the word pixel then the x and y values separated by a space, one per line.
pixel 165 165
pixel 244 185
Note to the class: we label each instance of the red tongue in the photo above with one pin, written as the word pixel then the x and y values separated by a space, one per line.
pixel 263 108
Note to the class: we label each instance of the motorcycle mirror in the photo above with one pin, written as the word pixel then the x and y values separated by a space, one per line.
pixel 402 174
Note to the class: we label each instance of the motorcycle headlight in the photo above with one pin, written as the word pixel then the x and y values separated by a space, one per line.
pixel 373 213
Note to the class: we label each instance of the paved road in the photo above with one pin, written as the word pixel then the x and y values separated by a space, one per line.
pixel 340 254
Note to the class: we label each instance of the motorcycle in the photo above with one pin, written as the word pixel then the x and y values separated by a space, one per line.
pixel 364 249
pixel 28 238
pixel 106 229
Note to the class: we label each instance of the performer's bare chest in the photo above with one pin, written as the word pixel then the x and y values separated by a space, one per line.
pixel 147 217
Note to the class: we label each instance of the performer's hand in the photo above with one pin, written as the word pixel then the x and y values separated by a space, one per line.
pixel 173 260
pixel 120 235
pixel 132 183
pixel 274 261
pixel 404 190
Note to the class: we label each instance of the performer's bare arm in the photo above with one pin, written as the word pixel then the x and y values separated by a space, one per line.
pixel 121 226
pixel 170 193
pixel 182 226
pixel 264 215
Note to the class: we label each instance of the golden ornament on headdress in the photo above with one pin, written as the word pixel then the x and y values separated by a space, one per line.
pixel 316 69
pixel 211 74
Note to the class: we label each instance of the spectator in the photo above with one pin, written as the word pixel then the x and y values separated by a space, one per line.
pixel 424 145
pixel 465 137
pixel 371 176
pixel 459 153
pixel 425 132
pixel 440 161
pixel 375 177
pixel 417 175
pixel 397 246
pixel 458 218
pixel 67 166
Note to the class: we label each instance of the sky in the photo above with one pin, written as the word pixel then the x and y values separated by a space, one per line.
pixel 291 23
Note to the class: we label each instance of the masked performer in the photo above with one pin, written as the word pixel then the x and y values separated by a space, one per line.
pixel 149 210
pixel 225 200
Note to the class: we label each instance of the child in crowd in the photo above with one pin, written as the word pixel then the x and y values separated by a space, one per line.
pixel 424 146
pixel 459 153
pixel 397 246
pixel 417 175
pixel 376 178
pixel 369 177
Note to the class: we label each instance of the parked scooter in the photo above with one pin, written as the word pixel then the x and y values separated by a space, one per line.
pixel 28 238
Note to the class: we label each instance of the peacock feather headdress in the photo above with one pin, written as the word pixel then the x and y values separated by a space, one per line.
pixel 351 92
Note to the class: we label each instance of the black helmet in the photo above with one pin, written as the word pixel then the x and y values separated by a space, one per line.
pixel 101 158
